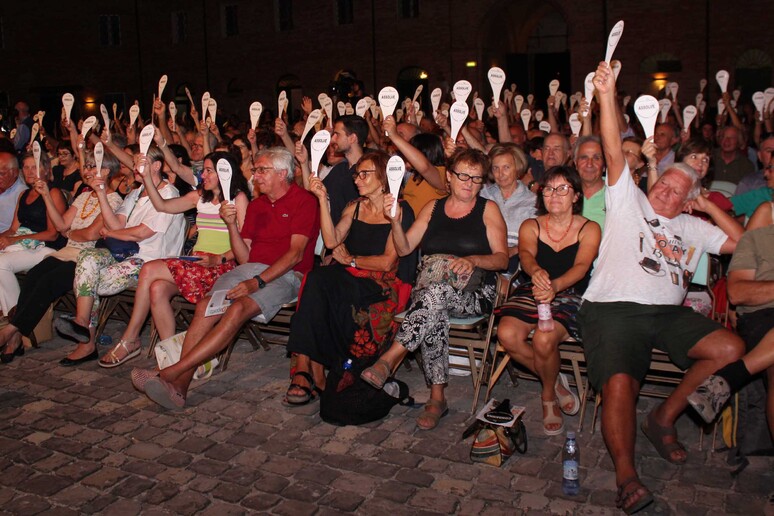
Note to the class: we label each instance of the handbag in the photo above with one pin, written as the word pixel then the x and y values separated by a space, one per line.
pixel 120 250
pixel 168 353
pixel 436 268
pixel 494 441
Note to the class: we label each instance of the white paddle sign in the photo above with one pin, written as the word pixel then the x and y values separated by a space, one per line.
pixel 87 125
pixel 104 112
pixel 612 40
pixel 526 116
pixel 478 105
pixel 458 114
pixel 575 124
pixel 212 109
pixel 496 81
pixel 67 101
pixel 435 99
pixel 722 78
pixel 320 142
pixel 311 120
pixel 224 175
pixel 758 99
pixel 146 137
pixel 162 85
pixel 396 169
pixel 553 87
pixel 689 113
pixel 36 155
pixel 99 155
pixel 664 105
pixel 646 108
pixel 256 108
pixel 205 104
pixel 173 113
pixel 388 99
pixel 134 112
pixel 462 90
pixel 361 107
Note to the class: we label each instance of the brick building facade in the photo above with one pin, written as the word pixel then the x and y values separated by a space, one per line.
pixel 245 50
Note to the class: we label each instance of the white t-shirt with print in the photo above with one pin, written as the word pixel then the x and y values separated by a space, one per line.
pixel 646 258
pixel 169 229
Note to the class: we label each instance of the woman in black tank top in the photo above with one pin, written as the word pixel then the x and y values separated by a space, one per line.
pixel 556 251
pixel 473 231
pixel 345 314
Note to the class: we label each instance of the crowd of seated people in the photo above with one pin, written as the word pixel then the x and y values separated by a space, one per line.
pixel 604 226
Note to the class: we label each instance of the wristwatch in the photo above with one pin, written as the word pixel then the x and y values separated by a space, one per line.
pixel 353 264
pixel 261 283
pixel 223 259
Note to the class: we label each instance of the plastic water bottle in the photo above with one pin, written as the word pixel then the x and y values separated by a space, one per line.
pixel 105 340
pixel 347 364
pixel 570 466
pixel 545 318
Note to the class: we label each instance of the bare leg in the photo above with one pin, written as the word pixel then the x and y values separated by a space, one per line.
pixel 161 293
pixel 619 417
pixel 150 273
pixel 513 333
pixel 83 307
pixel 546 356
pixel 762 355
pixel 715 350
pixel 5 335
pixel 203 345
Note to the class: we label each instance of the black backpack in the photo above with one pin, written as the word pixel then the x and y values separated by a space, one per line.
pixel 348 400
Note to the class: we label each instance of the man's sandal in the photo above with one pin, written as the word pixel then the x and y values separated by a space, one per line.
pixel 428 419
pixel 633 496
pixel 552 419
pixel 377 374
pixel 656 435
pixel 309 395
pixel 111 359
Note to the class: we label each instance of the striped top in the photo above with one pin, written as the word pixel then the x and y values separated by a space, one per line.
pixel 213 233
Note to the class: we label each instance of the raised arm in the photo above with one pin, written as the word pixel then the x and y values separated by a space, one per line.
pixel 418 160
pixel 55 211
pixel 172 205
pixel 611 138
pixel 332 235
pixel 281 130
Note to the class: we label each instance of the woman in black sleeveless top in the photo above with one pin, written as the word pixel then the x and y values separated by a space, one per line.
pixel 556 250
pixel 345 312
pixel 473 231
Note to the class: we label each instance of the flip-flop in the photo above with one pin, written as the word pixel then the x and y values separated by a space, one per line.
pixel 310 395
pixel 625 492
pixel 428 420
pixel 377 374
pixel 552 418
pixel 656 434
pixel 566 399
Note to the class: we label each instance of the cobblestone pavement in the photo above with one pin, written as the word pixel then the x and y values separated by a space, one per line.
pixel 81 440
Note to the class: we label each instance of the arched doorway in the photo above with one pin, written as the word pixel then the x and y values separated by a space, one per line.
pixel 528 40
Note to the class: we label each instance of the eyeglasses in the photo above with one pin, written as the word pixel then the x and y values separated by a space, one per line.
pixel 89 166
pixel 262 170
pixel 196 145
pixel 362 174
pixel 467 177
pixel 562 190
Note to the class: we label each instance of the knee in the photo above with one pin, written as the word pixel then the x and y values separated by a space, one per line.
pixel 544 344
pixel 730 349
pixel 241 310
pixel 509 334
pixel 620 386
pixel 158 292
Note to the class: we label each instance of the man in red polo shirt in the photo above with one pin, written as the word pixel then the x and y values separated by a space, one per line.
pixel 275 248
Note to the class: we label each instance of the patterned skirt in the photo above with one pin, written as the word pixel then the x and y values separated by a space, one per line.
pixel 564 307
pixel 194 281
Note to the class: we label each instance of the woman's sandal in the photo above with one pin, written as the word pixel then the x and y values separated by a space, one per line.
pixel 428 419
pixel 550 419
pixel 163 393
pixel 377 374
pixel 310 395
pixel 633 496
pixel 112 360
pixel 656 434
pixel 566 399
pixel 141 376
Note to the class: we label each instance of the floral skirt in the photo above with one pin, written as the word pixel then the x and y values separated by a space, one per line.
pixel 194 281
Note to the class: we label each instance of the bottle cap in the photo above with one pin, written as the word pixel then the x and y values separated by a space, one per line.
pixel 570 435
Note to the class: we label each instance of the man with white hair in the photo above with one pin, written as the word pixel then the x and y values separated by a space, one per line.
pixel 647 258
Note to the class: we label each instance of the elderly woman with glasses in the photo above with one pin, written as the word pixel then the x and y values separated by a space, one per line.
pixel 462 238
pixel 557 249
pixel 324 331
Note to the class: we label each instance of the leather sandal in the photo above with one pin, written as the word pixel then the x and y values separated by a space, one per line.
pixel 551 419
pixel 656 434
pixel 377 374
pixel 428 419
pixel 310 394
pixel 566 399
pixel 111 359
pixel 633 496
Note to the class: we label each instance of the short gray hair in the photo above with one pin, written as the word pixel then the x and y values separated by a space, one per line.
pixel 281 159
pixel 691 174
pixel 582 140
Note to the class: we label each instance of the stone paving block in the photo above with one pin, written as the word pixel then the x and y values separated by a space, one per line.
pixel 193 444
pixel 143 468
pixel 168 439
pixel 698 475
pixel 395 491
pixel 294 508
pixel 175 459
pixel 269 483
pixel 58 511
pixel 460 488
pixel 75 496
pixel 375 436
pixel 471 507
pixel 284 466
pixel 304 491
pixel 27 505
pixel 28 453
pixel 145 451
pixel 434 501
pixel 261 502
pixel 242 475
pixel 161 492
pixel 116 443
pixel 44 485
pixel 15 475
pixel 52 463
pixel 67 446
pixel 176 476
pixel 230 492
pixel 104 478
pixel 407 460
pixel 47 424
pixel 219 508
pixel 203 484
pixel 318 473
pixel 222 452
pixel 94 453
pixel 124 507
pixel 208 467
pixel 415 477
pixel 341 500
pixel 463 471
pixel 133 486
pixel 528 484
pixel 146 433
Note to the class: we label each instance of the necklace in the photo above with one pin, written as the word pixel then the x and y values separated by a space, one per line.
pixel 548 231
pixel 83 213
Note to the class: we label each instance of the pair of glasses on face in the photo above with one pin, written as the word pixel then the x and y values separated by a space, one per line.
pixel 89 166
pixel 561 190
pixel 262 170
pixel 467 177
pixel 362 174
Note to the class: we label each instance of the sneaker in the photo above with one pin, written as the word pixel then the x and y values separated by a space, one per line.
pixel 709 397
